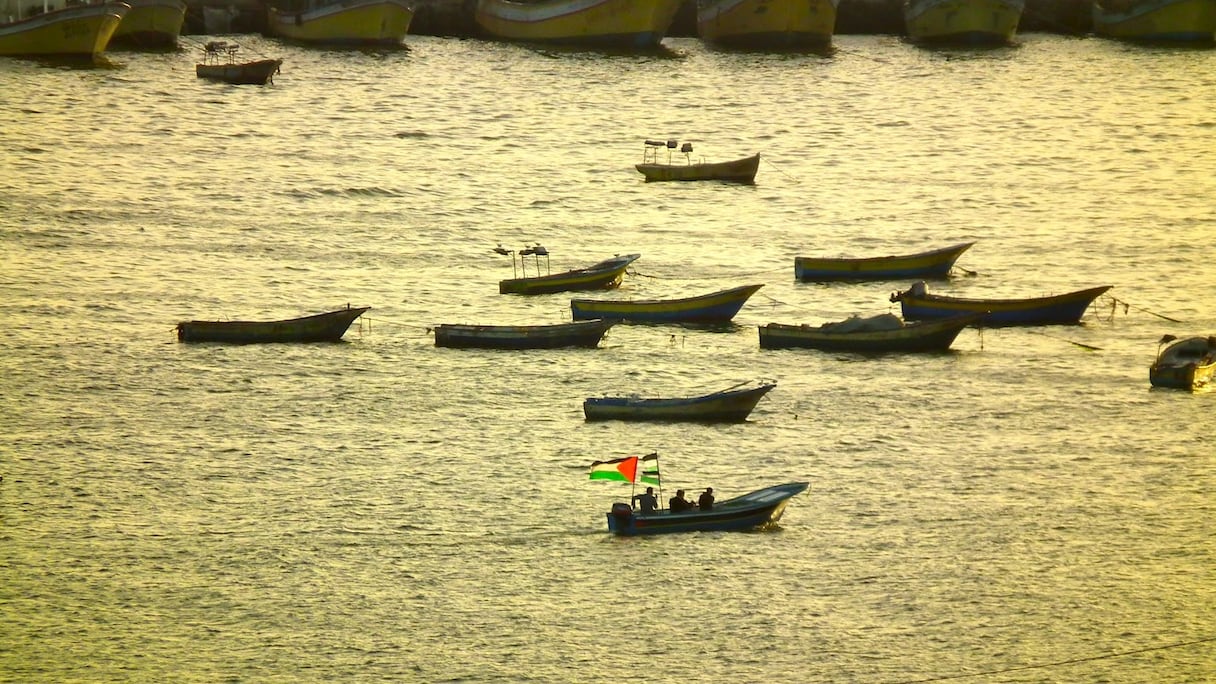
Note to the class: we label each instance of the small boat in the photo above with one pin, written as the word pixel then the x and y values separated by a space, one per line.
pixel 219 64
pixel 577 334
pixel 605 275
pixel 932 264
pixel 1181 21
pixel 767 24
pixel 323 327
pixel 758 509
pixel 73 31
pixel 151 24
pixel 734 171
pixel 883 333
pixel 357 23
pixel 918 304
pixel 717 307
pixel 967 22
pixel 730 405
pixel 636 24
pixel 1189 363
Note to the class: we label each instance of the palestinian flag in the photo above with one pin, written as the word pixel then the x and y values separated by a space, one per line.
pixel 622 469
pixel 650 469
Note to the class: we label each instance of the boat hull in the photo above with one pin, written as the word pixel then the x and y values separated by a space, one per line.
pixel 718 307
pixel 726 406
pixel 580 334
pixel 1064 309
pixel 934 264
pixel 353 23
pixel 1188 364
pixel 602 276
pixel 734 171
pixel 248 73
pixel 323 327
pixel 82 31
pixel 1192 21
pixel 767 23
pixel 151 24
pixel 609 23
pixel 971 22
pixel 748 512
pixel 926 336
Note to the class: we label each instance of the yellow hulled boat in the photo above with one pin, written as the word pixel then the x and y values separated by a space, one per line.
pixel 151 23
pixel 348 22
pixel 1191 21
pixel 767 23
pixel 972 22
pixel 78 31
pixel 612 23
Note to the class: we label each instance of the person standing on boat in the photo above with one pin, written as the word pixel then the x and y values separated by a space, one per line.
pixel 706 502
pixel 677 503
pixel 647 502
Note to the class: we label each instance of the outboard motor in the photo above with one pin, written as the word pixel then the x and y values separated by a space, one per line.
pixel 621 516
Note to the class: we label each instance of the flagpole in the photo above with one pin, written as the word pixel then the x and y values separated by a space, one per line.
pixel 659 472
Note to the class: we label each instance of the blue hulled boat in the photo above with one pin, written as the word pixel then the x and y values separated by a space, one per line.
pixel 757 509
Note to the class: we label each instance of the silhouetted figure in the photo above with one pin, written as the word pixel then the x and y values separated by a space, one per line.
pixel 677 503
pixel 706 502
pixel 647 502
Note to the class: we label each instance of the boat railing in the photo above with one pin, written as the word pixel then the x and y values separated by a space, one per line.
pixel 215 50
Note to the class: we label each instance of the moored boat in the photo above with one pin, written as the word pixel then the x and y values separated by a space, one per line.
pixel 219 64
pixel 934 263
pixel 917 303
pixel 733 171
pixel 768 24
pixel 74 31
pixel 151 24
pixel 970 22
pixel 577 334
pixel 358 23
pixel 1184 21
pixel 883 333
pixel 606 23
pixel 716 307
pixel 605 275
pixel 730 405
pixel 323 327
pixel 1188 363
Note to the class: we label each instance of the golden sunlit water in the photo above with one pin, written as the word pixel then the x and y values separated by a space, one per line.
pixel 1022 509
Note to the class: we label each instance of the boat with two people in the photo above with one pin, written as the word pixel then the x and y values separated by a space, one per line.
pixel 733 404
pixel 323 327
pixel 1188 363
pixel 1062 309
pixel 757 510
pixel 732 171
pixel 875 334
pixel 715 307
pixel 934 263
pixel 219 64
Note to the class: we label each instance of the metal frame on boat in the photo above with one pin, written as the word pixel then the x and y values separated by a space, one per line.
pixel 605 275
pixel 730 405
pixel 716 307
pixel 733 171
pixel 219 64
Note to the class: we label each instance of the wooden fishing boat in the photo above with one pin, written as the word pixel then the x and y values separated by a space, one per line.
pixel 931 264
pixel 731 405
pixel 323 327
pixel 151 24
pixel 758 509
pixel 734 171
pixel 219 64
pixel 357 23
pixel 970 22
pixel 885 333
pixel 717 307
pixel 918 304
pixel 605 275
pixel 604 23
pixel 577 334
pixel 1183 21
pixel 768 24
pixel 1189 363
pixel 43 30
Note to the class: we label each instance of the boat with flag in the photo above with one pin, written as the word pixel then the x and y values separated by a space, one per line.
pixel 759 509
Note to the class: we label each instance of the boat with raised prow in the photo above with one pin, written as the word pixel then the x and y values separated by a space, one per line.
pixel 323 327
pixel 605 275
pixel 767 24
pixel 353 23
pixel 935 263
pixel 716 307
pixel 151 24
pixel 219 64
pixel 966 22
pixel 1062 309
pixel 635 24
pixel 730 405
pixel 876 334
pixel 1178 21
pixel 577 334
pixel 61 31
